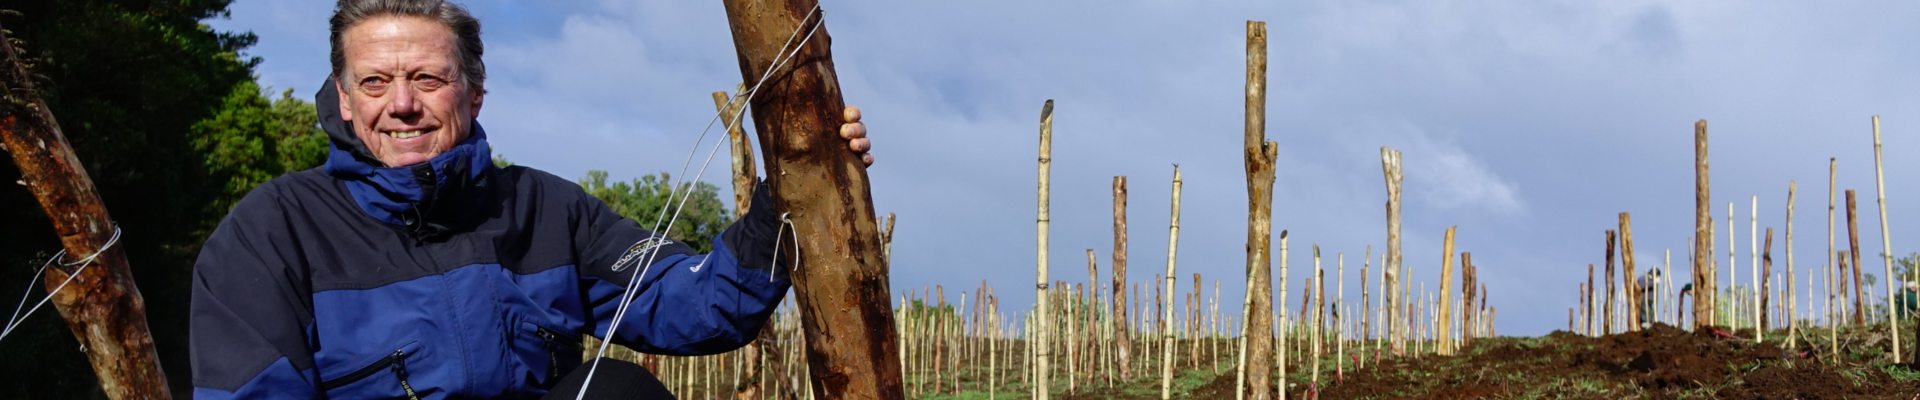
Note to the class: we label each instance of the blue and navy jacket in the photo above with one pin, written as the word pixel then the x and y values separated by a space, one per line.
pixel 451 278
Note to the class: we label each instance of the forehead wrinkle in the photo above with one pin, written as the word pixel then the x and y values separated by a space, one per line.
pixel 382 45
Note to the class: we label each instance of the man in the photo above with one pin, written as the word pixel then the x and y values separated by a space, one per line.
pixel 409 266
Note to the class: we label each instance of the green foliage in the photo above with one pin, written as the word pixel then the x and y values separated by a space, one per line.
pixel 251 140
pixel 126 80
pixel 642 200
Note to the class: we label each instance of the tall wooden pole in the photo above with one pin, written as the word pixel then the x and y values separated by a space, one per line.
pixel 101 305
pixel 1120 322
pixel 1281 316
pixel 1792 325
pixel 1733 271
pixel 1606 315
pixel 1166 319
pixel 1366 309
pixel 1833 326
pixel 1765 286
pixel 1390 165
pixel 1753 247
pixel 1260 155
pixel 1445 324
pixel 1042 355
pixel 841 281
pixel 1591 305
pixel 1853 254
pixel 1886 242
pixel 1632 283
pixel 1702 237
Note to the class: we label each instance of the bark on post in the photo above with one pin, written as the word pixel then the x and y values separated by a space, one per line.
pixel 1626 264
pixel 1766 284
pixel 1853 254
pixel 841 281
pixel 1120 321
pixel 1281 318
pixel 1166 319
pixel 1260 155
pixel 1833 314
pixel 1793 329
pixel 1606 321
pixel 101 305
pixel 1041 319
pixel 1366 309
pixel 1445 324
pixel 1588 308
pixel 1886 243
pixel 744 177
pixel 1390 164
pixel 1702 238
pixel 1753 264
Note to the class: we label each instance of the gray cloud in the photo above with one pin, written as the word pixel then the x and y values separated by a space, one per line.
pixel 1529 125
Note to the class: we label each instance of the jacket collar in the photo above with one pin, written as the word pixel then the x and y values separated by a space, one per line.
pixel 427 199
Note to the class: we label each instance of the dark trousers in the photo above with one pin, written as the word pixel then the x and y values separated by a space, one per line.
pixel 615 380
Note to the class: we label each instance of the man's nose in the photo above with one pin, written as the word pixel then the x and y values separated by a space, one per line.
pixel 404 102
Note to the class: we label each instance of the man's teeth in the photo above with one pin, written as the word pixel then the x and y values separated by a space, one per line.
pixel 404 134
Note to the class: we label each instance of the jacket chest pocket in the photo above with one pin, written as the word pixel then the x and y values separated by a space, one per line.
pixel 547 353
pixel 380 376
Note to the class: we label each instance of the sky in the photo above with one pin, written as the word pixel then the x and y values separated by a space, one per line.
pixel 1528 125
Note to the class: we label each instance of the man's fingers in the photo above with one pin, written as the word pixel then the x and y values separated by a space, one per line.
pixel 860 145
pixel 853 130
pixel 867 158
pixel 850 115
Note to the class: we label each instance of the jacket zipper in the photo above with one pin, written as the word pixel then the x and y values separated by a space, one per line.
pixel 553 351
pixel 400 370
pixel 396 361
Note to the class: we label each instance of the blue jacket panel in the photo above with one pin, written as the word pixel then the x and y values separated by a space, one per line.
pixel 452 278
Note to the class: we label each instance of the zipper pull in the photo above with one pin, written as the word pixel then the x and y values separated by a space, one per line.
pixel 400 370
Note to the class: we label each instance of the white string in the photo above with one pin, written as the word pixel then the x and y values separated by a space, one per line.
pixel 628 294
pixel 784 224
pixel 17 317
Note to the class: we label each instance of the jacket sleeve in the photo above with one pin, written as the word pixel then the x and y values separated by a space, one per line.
pixel 685 303
pixel 247 337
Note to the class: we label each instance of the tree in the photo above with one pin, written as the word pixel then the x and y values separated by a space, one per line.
pixel 127 80
pixel 642 199
pixel 252 140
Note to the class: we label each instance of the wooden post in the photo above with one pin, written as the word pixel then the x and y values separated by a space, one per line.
pixel 1589 309
pixel 841 283
pixel 1281 311
pixel 1853 252
pixel 1042 320
pixel 1792 325
pixel 1606 315
pixel 1468 276
pixel 1339 318
pixel 1753 264
pixel 1733 271
pixel 1886 243
pixel 1166 319
pixel 1702 237
pixel 1366 309
pixel 1626 263
pixel 1445 323
pixel 101 305
pixel 1317 302
pixel 1765 285
pixel 1120 328
pixel 1833 314
pixel 1390 164
pixel 1260 155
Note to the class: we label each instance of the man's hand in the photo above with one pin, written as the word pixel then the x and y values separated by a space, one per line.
pixel 856 134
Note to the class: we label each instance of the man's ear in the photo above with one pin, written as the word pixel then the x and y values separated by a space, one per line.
pixel 346 110
pixel 479 97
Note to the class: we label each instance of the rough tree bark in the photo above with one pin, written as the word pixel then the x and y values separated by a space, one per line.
pixel 1853 258
pixel 1631 280
pixel 841 279
pixel 1394 295
pixel 1702 238
pixel 1120 322
pixel 101 305
pixel 1606 315
pixel 1260 155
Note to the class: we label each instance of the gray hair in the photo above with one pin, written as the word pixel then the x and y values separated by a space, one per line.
pixel 466 30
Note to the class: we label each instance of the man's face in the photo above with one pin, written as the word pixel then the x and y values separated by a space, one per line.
pixel 402 89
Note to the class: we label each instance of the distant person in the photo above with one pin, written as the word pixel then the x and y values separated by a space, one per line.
pixel 409 266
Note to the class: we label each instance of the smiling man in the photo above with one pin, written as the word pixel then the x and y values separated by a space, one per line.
pixel 410 266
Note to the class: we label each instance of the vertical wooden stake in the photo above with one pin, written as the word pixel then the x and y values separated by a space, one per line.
pixel 1793 330
pixel 1886 243
pixel 1390 164
pixel 1753 237
pixel 1592 304
pixel 1166 320
pixel 1632 282
pixel 1041 319
pixel 1766 287
pixel 1853 252
pixel 1833 314
pixel 842 281
pixel 1281 311
pixel 1260 156
pixel 1366 309
pixel 1702 237
pixel 1445 323
pixel 1606 315
pixel 1733 271
pixel 1119 319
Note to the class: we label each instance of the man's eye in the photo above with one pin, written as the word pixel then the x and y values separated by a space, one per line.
pixel 429 82
pixel 373 84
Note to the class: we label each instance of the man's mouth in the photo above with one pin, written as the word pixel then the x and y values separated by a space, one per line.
pixel 405 134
